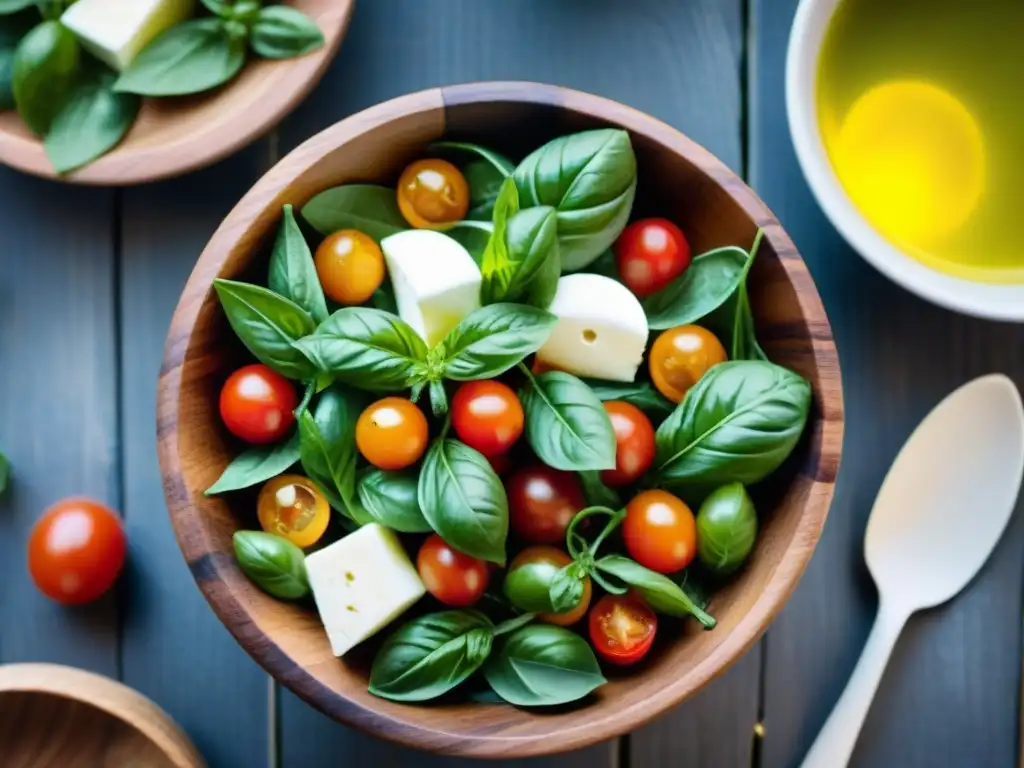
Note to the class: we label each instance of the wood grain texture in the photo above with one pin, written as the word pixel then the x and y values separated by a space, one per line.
pixel 173 136
pixel 949 696
pixel 687 184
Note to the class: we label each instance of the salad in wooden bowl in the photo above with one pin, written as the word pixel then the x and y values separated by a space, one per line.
pixel 497 419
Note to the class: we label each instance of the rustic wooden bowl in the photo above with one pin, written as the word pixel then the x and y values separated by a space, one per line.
pixel 177 135
pixel 678 179
pixel 59 717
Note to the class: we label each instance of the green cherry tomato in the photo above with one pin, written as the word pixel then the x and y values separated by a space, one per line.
pixel 528 584
pixel 726 529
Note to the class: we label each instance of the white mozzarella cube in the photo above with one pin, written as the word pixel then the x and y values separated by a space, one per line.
pixel 436 281
pixel 116 30
pixel 601 331
pixel 362 583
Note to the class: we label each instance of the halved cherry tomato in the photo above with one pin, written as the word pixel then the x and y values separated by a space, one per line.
pixel 650 254
pixel 528 590
pixel 622 629
pixel 392 433
pixel 256 404
pixel 432 194
pixel 542 502
pixel 680 356
pixel 634 443
pixel 350 266
pixel 487 416
pixel 660 531
pixel 76 551
pixel 292 507
pixel 454 578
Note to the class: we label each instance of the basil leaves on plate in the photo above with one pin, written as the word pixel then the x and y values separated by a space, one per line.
pixel 277 566
pixel 292 270
pixel 391 498
pixel 257 465
pixel 370 208
pixel 660 592
pixel 494 339
pixel 281 32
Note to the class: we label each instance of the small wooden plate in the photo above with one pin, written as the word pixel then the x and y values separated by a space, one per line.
pixel 174 136
pixel 60 717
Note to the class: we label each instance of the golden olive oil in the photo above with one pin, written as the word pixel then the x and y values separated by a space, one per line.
pixel 921 107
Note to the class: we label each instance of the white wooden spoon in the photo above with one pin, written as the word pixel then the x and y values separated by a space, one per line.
pixel 943 506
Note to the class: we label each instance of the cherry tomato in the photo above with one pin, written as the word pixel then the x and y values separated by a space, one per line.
pixel 680 356
pixel 432 194
pixel 535 567
pixel 392 433
pixel 76 551
pixel 650 254
pixel 292 507
pixel 350 266
pixel 256 404
pixel 487 416
pixel 634 443
pixel 542 502
pixel 660 531
pixel 454 578
pixel 622 629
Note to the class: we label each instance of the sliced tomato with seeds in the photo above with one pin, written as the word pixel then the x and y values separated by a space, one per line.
pixel 622 628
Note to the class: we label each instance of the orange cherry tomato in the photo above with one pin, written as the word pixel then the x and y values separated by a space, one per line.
pixel 542 502
pixel 76 551
pixel 257 404
pixel 453 577
pixel 680 356
pixel 350 266
pixel 650 254
pixel 660 531
pixel 622 629
pixel 432 194
pixel 292 507
pixel 487 416
pixel 392 433
pixel 634 443
pixel 548 561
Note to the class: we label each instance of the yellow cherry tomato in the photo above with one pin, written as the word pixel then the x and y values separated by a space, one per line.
pixel 292 507
pixel 350 266
pixel 433 194
pixel 680 356
pixel 392 433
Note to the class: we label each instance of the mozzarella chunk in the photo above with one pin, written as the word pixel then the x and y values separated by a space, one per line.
pixel 116 30
pixel 362 583
pixel 601 331
pixel 436 281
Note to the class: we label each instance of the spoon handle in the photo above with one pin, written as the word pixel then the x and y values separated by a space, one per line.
pixel 835 742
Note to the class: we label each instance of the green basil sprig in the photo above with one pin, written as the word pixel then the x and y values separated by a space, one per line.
pixel 5 474
pixel 257 465
pixel 706 284
pixel 660 592
pixel 473 236
pixel 726 529
pixel 43 73
pixel 391 498
pixel 642 394
pixel 484 173
pixel 532 236
pixel 281 32
pixel 492 340
pixel 370 208
pixel 274 564
pixel 736 318
pixel 496 265
pixel 292 270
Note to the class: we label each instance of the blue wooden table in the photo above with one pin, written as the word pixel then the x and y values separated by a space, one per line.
pixel 89 278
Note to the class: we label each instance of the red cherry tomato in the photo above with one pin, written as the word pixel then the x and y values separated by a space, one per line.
pixel 542 502
pixel 487 416
pixel 634 443
pixel 454 578
pixel 622 629
pixel 392 433
pixel 660 531
pixel 76 551
pixel 650 254
pixel 256 404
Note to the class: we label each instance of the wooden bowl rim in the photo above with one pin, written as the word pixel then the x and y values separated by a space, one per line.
pixel 107 695
pixel 215 571
pixel 128 165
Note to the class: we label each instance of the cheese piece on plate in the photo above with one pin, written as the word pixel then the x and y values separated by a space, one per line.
pixel 436 281
pixel 362 583
pixel 116 30
pixel 601 331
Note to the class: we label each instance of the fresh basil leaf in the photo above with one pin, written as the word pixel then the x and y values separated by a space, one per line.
pixel 493 339
pixel 5 474
pixel 188 58
pixel 267 324
pixel 543 665
pixel 511 625
pixel 274 564
pixel 566 588
pixel 639 393
pixel 744 337
pixel 464 500
pixel 292 270
pixel 660 592
pixel 370 208
pixel 391 499
pixel 707 283
pixel 484 173
pixel 13 6
pixel 542 289
pixel 495 159
pixel 590 178
pixel 598 494
pixel 51 10
pixel 566 424
pixel 438 398
pixel 605 265
pixel 532 236
pixel 280 32
pixel 384 299
pixel 496 264
pixel 430 655
pixel 367 348
pixel 13 27
pixel 738 423
pixel 43 73
pixel 726 529
pixel 257 465
pixel 473 236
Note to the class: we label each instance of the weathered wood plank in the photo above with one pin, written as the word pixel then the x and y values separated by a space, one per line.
pixel 949 695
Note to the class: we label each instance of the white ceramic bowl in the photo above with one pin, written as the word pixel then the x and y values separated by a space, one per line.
pixel 997 302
